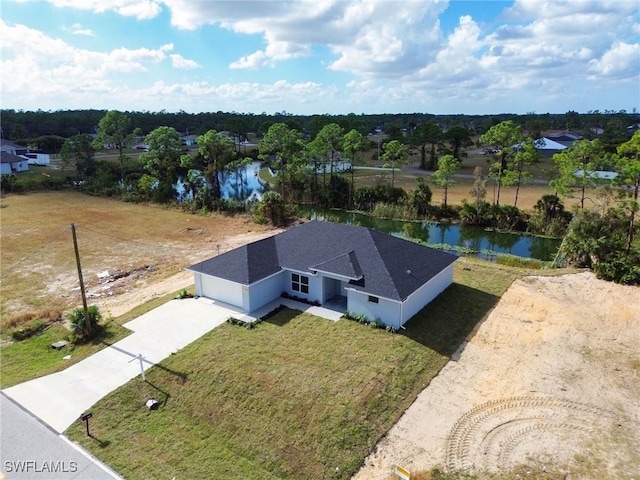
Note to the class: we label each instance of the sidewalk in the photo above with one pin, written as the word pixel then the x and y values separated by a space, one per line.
pixel 60 398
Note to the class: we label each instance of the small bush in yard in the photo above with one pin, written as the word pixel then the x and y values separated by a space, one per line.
pixel 30 330
pixel 184 293
pixel 81 331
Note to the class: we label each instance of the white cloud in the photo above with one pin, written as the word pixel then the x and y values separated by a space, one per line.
pixel 56 67
pixel 76 29
pixel 141 9
pixel 255 60
pixel 622 60
pixel 178 61
pixel 367 36
pixel 538 52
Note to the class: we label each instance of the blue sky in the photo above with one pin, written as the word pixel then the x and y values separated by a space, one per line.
pixel 321 56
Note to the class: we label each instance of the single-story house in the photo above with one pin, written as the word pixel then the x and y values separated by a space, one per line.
pixel 8 146
pixel 10 163
pixel 33 156
pixel 548 147
pixel 379 275
pixel 597 174
pixel 37 157
pixel 189 140
pixel 565 138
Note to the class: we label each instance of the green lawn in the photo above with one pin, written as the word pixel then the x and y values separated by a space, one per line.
pixel 34 357
pixel 298 397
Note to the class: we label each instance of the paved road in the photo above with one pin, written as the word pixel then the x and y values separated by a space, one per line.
pixel 31 450
pixel 60 398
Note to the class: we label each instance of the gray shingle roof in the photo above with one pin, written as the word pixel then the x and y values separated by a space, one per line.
pixel 6 157
pixel 384 265
pixel 346 265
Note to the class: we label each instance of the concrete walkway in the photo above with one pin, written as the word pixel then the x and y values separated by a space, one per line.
pixel 322 312
pixel 60 398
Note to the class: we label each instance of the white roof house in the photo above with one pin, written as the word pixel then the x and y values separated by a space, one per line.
pixel 545 143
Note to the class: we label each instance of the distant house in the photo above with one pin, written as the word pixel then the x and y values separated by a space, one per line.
pixel 548 147
pixel 565 138
pixel 8 146
pixel 33 156
pixel 37 157
pixel 10 163
pixel 598 174
pixel 371 273
pixel 189 140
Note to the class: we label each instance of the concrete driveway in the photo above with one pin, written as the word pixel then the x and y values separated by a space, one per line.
pixel 60 398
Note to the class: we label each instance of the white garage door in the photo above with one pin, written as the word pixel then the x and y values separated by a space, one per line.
pixel 222 290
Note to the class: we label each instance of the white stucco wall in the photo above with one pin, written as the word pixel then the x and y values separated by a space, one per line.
pixel 391 312
pixel 316 287
pixel 5 168
pixel 264 291
pixel 386 310
pixel 430 290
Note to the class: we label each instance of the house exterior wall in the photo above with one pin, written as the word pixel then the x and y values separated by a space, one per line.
pixel 430 290
pixel 5 168
pixel 387 311
pixel 219 289
pixel 21 166
pixel 264 291
pixel 316 287
pixel 38 158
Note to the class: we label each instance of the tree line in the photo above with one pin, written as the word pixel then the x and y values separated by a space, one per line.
pixel 31 126
pixel 306 170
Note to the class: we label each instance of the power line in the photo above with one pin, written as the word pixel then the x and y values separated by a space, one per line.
pixel 33 252
pixel 122 239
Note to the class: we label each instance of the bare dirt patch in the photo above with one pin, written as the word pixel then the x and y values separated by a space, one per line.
pixel 130 253
pixel 551 377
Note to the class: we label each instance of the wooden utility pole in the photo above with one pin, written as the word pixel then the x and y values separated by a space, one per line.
pixel 87 322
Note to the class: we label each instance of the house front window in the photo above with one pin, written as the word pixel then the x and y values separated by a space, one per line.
pixel 299 283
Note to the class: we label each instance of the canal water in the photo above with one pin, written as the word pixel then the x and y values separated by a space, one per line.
pixel 476 239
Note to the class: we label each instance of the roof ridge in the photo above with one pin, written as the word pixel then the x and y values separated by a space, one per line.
pixel 333 258
pixel 382 259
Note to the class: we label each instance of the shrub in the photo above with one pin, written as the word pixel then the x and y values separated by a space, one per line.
pixel 520 262
pixel 549 217
pixel 81 331
pixel 478 213
pixel 184 293
pixel 243 323
pixel 508 217
pixel 30 330
pixel 48 315
pixel 439 212
pixel 395 211
pixel 365 198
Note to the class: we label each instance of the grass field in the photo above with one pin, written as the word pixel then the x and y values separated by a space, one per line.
pixel 38 267
pixel 298 397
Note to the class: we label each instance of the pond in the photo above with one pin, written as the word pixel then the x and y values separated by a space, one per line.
pixel 241 184
pixel 475 238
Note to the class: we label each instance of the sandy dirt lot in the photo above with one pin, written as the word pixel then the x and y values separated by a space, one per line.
pixel 130 252
pixel 140 289
pixel 551 379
